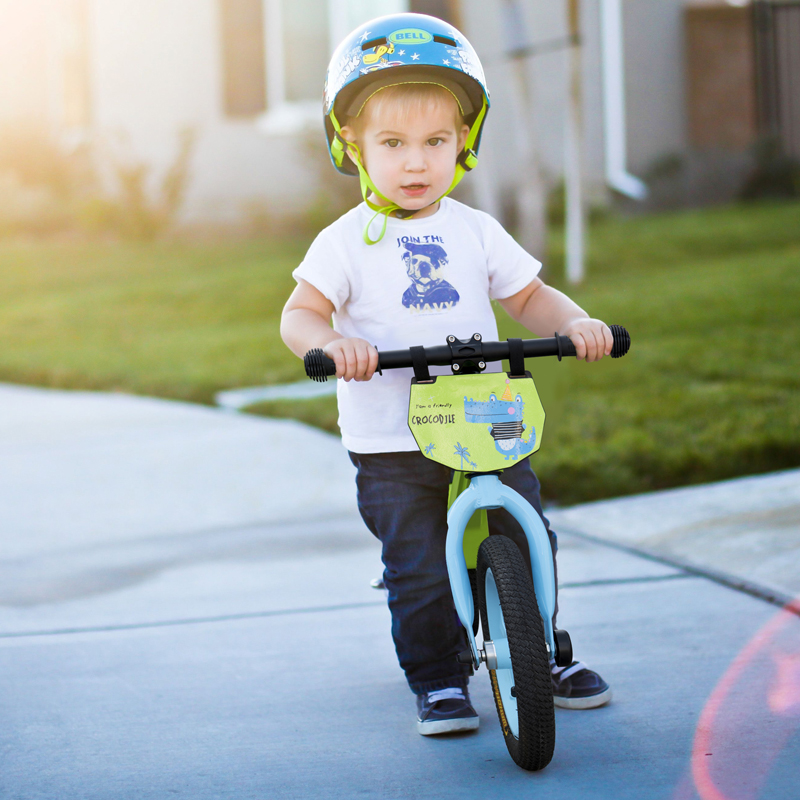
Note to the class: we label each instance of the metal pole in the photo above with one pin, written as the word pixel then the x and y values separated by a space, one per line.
pixel 273 55
pixel 612 42
pixel 573 171
pixel 531 190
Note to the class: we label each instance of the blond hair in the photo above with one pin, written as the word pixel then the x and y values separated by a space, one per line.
pixel 405 100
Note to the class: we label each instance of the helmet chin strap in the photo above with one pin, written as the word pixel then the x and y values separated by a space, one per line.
pixel 467 160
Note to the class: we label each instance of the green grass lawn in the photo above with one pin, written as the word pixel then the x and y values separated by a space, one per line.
pixel 174 320
pixel 709 390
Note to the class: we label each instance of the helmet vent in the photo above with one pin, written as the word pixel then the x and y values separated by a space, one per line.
pixel 445 40
pixel 376 43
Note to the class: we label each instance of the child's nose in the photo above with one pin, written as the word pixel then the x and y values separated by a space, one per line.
pixel 415 160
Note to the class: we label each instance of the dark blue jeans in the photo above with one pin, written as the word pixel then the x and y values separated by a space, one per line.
pixel 402 498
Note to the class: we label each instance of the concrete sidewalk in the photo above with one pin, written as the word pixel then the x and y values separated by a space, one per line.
pixel 747 530
pixel 185 610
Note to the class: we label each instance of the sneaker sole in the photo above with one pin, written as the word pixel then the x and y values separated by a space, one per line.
pixel 447 726
pixel 593 701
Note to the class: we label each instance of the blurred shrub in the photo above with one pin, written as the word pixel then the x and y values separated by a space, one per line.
pixel 47 188
pixel 337 193
pixel 30 209
pixel 31 155
pixel 557 209
pixel 40 183
pixel 776 175
pixel 133 211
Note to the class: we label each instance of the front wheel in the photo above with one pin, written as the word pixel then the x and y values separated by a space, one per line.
pixel 522 691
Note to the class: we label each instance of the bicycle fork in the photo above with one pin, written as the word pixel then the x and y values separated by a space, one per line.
pixel 487 492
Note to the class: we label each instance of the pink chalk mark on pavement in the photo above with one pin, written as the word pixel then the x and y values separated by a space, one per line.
pixel 750 715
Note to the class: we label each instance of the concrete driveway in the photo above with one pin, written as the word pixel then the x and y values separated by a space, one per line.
pixel 185 610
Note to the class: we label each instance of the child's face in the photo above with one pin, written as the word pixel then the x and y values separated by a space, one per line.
pixel 411 157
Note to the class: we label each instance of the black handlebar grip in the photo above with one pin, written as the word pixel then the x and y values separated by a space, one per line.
pixel 622 341
pixel 565 346
pixel 318 365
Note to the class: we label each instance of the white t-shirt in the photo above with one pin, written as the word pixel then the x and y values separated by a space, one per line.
pixel 426 279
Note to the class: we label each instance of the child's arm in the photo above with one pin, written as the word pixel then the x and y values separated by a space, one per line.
pixel 544 310
pixel 305 324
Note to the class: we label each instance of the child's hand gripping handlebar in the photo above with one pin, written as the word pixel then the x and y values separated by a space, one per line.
pixel 473 353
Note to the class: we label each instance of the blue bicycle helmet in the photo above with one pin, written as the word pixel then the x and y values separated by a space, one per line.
pixel 400 49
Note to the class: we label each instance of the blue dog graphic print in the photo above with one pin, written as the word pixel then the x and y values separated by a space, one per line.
pixel 429 291
pixel 505 423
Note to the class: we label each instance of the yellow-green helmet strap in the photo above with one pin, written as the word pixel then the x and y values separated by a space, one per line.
pixel 467 159
pixel 367 186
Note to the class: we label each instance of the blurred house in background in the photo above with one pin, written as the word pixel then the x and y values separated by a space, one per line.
pixel 701 80
pixel 743 89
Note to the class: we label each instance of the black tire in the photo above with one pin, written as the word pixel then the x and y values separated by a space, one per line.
pixel 505 594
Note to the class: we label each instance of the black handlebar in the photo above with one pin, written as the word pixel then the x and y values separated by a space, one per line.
pixel 319 366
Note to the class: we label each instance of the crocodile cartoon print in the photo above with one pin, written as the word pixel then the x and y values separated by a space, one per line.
pixel 505 423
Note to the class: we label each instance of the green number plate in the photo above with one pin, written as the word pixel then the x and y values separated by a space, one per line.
pixel 476 423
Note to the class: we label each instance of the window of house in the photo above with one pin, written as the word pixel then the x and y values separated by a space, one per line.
pixel 444 9
pixel 77 109
pixel 306 47
pixel 276 52
pixel 243 64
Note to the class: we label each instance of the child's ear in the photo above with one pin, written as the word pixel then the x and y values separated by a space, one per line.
pixel 462 137
pixel 348 133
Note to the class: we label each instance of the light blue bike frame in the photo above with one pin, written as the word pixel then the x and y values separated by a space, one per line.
pixel 486 491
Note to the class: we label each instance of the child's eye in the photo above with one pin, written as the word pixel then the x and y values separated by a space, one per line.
pixel 435 142
pixel 392 143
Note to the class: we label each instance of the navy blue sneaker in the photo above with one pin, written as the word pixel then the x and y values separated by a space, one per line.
pixel 445 711
pixel 577 686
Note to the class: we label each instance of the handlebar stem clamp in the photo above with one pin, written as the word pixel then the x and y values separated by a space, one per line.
pixel 466 356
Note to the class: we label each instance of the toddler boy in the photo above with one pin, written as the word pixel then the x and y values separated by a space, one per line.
pixel 405 102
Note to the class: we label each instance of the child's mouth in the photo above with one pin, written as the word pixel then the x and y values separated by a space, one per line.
pixel 414 189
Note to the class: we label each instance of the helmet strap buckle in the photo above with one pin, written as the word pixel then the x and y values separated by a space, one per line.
pixel 468 159
pixel 338 148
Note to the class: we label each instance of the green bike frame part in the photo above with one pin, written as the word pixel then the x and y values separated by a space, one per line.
pixel 478 526
pixel 476 423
